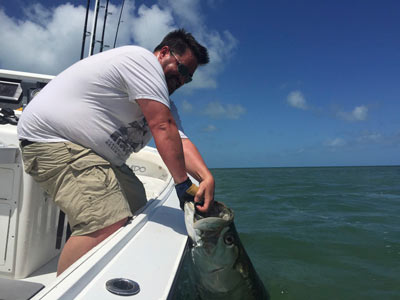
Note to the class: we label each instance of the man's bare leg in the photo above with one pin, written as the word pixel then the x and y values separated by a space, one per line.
pixel 77 246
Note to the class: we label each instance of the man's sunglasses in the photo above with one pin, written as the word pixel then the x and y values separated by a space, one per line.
pixel 182 69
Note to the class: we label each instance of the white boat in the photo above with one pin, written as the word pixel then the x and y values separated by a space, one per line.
pixel 142 258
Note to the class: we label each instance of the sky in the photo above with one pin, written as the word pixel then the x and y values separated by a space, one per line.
pixel 290 83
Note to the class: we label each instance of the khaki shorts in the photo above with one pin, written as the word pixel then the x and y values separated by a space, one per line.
pixel 87 188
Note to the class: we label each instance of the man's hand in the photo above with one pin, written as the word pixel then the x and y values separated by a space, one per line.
pixel 186 191
pixel 196 167
pixel 202 196
pixel 205 196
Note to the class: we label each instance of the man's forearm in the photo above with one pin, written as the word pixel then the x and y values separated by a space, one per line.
pixel 195 164
pixel 196 167
pixel 166 137
pixel 169 145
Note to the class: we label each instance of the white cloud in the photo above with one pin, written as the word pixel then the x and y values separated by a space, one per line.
pixel 370 137
pixel 41 42
pixel 337 142
pixel 297 100
pixel 187 107
pixel 210 128
pixel 359 113
pixel 217 110
pixel 188 12
pixel 356 140
pixel 48 40
pixel 151 25
pixel 37 13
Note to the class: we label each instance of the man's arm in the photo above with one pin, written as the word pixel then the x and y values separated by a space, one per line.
pixel 166 136
pixel 196 167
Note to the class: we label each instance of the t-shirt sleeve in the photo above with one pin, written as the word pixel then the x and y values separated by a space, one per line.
pixel 174 112
pixel 143 77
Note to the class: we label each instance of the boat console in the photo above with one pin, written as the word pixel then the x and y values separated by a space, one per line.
pixel 28 218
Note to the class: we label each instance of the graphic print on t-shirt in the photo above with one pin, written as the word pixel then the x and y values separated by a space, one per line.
pixel 129 139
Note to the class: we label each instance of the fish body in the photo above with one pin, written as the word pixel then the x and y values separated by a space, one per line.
pixel 221 267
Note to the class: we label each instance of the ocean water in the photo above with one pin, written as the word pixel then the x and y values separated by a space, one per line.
pixel 316 233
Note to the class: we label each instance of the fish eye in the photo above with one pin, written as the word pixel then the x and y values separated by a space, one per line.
pixel 229 239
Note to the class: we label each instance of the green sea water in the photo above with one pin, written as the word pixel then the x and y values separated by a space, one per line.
pixel 316 233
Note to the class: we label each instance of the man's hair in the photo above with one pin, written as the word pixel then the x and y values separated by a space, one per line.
pixel 179 40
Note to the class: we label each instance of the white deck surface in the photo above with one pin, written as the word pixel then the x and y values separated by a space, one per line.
pixel 46 274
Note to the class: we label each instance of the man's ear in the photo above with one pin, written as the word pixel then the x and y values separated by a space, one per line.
pixel 164 51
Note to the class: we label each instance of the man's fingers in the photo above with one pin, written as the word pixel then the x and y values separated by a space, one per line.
pixel 203 199
pixel 205 207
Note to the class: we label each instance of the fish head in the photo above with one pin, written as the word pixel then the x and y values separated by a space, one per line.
pixel 215 245
pixel 207 227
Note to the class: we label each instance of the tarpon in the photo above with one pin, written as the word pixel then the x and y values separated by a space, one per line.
pixel 221 267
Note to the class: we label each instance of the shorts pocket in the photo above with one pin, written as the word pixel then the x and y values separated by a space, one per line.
pixel 30 165
pixel 45 160
pixel 94 174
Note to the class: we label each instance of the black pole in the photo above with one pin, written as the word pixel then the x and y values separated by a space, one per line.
pixel 104 28
pixel 85 30
pixel 119 21
pixel 93 41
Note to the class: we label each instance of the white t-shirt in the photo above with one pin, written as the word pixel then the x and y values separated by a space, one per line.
pixel 93 103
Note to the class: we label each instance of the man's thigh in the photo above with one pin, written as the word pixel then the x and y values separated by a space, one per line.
pixel 82 184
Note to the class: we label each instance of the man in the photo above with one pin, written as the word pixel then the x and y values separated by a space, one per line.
pixel 77 133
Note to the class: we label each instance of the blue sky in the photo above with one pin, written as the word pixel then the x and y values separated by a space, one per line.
pixel 290 83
